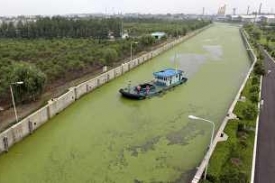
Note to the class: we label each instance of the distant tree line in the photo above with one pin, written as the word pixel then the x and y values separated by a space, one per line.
pixel 61 27
pixel 97 28
pixel 174 28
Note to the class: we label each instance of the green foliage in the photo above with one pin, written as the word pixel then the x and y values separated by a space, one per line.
pixel 231 161
pixel 109 55
pixel 254 88
pixel 65 48
pixel 257 34
pixel 234 175
pixel 254 97
pixel 33 78
pixel 223 151
pixel 241 127
pixel 136 27
pixel 97 28
pixel 260 56
pixel 249 112
pixel 62 27
pixel 259 68
pixel 147 40
pixel 210 178
pixel 255 81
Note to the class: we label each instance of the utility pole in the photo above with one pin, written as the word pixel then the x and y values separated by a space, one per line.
pixel 258 13
pixel 234 11
pixel 260 8
pixel 12 96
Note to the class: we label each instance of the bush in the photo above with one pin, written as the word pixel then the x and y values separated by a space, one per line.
pixel 234 175
pixel 260 56
pixel 254 88
pixel 241 127
pixel 249 112
pixel 147 40
pixel 34 81
pixel 211 178
pixel 259 68
pixel 255 80
pixel 109 55
pixel 254 97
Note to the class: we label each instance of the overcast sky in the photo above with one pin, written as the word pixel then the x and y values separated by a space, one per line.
pixel 53 7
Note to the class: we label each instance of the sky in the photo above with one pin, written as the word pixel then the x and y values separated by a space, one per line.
pixel 62 7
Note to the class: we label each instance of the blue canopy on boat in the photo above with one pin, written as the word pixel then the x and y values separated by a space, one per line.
pixel 167 73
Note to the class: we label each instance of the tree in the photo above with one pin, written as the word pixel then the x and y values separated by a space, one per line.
pixel 249 112
pixel 109 55
pixel 268 38
pixel 33 78
pixel 147 40
pixel 259 68
pixel 233 175
pixel 254 88
pixel 254 97
pixel 255 80
pixel 256 34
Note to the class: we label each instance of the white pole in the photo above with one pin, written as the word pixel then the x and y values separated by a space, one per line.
pixel 13 102
pixel 211 142
pixel 210 146
pixel 131 51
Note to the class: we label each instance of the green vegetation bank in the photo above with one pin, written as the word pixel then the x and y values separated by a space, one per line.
pixel 232 160
pixel 52 51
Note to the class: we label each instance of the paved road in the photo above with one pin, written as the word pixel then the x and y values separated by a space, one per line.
pixel 265 158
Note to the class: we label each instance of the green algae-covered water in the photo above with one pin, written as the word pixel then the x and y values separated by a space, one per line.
pixel 105 138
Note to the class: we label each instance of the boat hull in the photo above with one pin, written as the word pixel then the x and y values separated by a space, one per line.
pixel 133 94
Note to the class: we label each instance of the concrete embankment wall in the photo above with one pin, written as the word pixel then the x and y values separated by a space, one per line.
pixel 229 115
pixel 248 47
pixel 29 124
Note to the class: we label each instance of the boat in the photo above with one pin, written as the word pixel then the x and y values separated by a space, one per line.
pixel 163 80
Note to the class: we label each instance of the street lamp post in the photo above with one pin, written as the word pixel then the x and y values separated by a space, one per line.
pixel 1 109
pixel 12 96
pixel 212 137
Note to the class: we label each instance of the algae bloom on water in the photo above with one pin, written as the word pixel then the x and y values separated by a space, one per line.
pixel 104 137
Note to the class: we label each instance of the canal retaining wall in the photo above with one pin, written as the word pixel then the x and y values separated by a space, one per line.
pixel 229 115
pixel 29 124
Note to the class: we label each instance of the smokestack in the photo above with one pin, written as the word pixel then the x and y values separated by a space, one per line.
pixel 260 8
pixel 234 11
pixel 203 11
pixel 247 10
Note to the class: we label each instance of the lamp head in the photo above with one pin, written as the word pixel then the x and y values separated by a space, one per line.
pixel 20 82
pixel 193 117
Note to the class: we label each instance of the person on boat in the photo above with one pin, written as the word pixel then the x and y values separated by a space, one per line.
pixel 138 89
pixel 147 89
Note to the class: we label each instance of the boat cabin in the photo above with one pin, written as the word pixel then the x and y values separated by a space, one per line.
pixel 168 77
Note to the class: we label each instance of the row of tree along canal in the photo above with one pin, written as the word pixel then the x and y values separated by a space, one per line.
pixel 50 51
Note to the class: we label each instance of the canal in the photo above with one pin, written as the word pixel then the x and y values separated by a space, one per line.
pixel 105 138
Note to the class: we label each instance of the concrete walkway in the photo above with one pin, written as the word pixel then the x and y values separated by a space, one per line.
pixel 265 158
